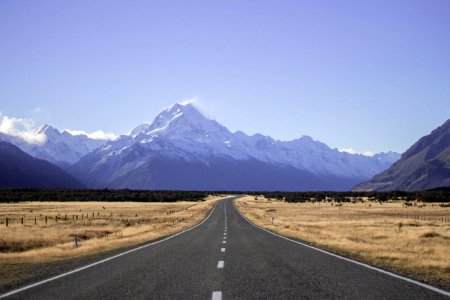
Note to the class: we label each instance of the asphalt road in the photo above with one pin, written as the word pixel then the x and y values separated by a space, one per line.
pixel 227 258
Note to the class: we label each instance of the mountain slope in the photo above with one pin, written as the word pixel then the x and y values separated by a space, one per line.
pixel 60 148
pixel 425 165
pixel 182 149
pixel 18 169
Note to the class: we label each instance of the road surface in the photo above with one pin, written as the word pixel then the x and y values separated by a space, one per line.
pixel 226 258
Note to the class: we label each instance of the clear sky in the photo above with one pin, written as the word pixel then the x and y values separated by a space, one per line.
pixel 366 75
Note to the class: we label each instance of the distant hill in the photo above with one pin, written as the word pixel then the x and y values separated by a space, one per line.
pixel 425 165
pixel 18 169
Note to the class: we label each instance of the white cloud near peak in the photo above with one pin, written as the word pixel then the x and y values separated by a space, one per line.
pixel 26 129
pixel 192 101
pixel 348 150
pixel 21 128
pixel 98 134
pixel 352 151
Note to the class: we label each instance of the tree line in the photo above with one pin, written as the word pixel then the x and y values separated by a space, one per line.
pixel 434 195
pixel 125 195
pixel 32 194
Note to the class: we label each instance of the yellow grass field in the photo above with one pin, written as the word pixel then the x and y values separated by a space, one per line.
pixel 97 227
pixel 417 246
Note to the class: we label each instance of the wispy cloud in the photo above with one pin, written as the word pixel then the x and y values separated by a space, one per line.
pixel 26 129
pixel 36 110
pixel 368 153
pixel 22 128
pixel 352 151
pixel 98 134
pixel 192 101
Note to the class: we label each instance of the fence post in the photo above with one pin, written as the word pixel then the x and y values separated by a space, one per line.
pixel 34 220
pixel 6 222
pixel 21 220
pixel 45 219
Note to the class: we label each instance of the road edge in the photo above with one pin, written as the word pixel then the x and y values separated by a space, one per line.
pixel 412 281
pixel 27 287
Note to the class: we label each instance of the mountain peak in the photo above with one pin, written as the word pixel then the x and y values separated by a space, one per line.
pixel 47 130
pixel 185 110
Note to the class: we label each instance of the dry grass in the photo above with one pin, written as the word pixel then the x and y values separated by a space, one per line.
pixel 114 225
pixel 369 232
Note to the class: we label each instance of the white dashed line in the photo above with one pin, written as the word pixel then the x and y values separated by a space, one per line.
pixel 424 285
pixel 224 242
pixel 224 233
pixel 222 249
pixel 220 264
pixel 27 287
pixel 217 295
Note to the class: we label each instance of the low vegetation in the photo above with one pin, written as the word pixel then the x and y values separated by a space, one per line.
pixel 434 195
pixel 64 195
pixel 410 239
pixel 40 232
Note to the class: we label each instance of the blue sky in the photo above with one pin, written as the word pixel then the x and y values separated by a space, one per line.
pixel 366 75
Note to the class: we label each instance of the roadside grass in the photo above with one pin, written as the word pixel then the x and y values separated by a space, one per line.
pixel 370 232
pixel 114 225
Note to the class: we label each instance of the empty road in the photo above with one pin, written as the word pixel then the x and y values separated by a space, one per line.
pixel 226 258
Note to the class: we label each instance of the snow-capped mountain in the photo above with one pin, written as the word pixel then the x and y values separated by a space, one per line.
pixel 183 149
pixel 60 148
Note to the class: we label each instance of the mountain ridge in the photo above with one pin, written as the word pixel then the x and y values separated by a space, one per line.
pixel 59 147
pixel 425 165
pixel 19 169
pixel 181 131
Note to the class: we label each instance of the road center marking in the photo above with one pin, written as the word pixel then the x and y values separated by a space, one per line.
pixel 217 295
pixel 220 264
pixel 222 249
pixel 424 285
pixel 30 286
pixel 224 242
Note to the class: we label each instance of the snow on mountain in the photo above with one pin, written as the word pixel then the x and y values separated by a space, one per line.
pixel 187 129
pixel 61 148
pixel 182 132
